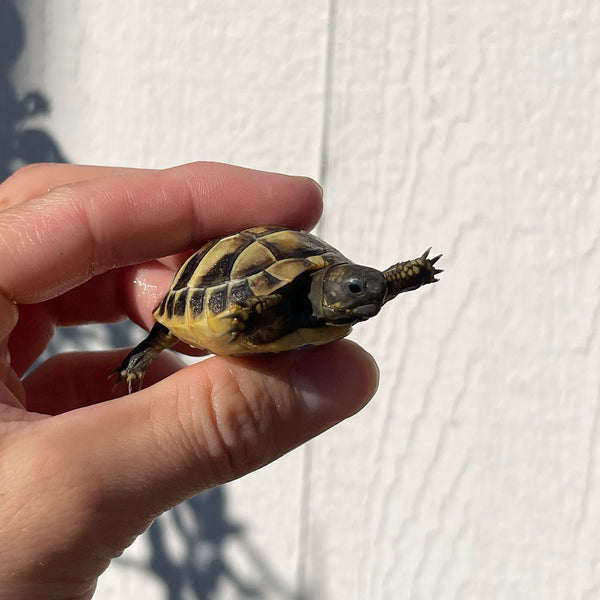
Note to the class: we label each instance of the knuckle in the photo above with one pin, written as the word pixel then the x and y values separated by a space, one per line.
pixel 25 174
pixel 28 171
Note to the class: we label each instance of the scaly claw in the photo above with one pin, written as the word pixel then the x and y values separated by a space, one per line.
pixel 432 262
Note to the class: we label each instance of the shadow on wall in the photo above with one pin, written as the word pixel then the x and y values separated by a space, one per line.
pixel 200 526
pixel 19 144
pixel 201 531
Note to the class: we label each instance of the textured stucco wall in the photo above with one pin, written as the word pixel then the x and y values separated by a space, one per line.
pixel 470 126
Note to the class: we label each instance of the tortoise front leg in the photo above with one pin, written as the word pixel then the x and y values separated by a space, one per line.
pixel 411 274
pixel 245 317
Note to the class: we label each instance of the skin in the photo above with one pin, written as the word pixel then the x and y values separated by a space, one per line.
pixel 83 473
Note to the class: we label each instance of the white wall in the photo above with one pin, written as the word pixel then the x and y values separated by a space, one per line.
pixel 469 126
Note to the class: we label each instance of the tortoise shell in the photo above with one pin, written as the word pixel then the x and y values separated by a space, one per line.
pixel 219 280
pixel 269 289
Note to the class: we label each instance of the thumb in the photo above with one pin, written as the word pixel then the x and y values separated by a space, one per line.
pixel 132 458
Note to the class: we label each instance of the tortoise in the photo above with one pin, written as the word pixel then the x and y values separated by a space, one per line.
pixel 269 289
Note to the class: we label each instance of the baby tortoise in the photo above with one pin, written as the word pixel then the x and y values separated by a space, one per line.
pixel 269 289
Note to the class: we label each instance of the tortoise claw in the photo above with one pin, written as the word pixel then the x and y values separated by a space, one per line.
pixel 433 260
pixel 128 373
pixel 237 326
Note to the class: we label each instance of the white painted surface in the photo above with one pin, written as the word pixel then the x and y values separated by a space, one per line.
pixel 469 126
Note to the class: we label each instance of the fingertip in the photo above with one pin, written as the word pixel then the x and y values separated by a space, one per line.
pixel 335 381
pixel 316 185
pixel 292 200
pixel 314 191
pixel 314 198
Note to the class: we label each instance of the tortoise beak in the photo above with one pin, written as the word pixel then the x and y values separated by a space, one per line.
pixel 366 311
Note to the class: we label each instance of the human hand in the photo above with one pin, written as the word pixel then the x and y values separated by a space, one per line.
pixel 82 475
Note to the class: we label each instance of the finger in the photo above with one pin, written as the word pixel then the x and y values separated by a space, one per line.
pixel 38 179
pixel 75 379
pixel 131 292
pixel 12 392
pixel 52 244
pixel 30 336
pixel 204 425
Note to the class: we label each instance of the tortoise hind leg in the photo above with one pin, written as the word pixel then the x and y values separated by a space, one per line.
pixel 134 367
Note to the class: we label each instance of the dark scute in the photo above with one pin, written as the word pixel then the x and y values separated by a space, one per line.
pixel 160 309
pixel 271 279
pixel 333 257
pixel 183 278
pixel 296 246
pixel 219 271
pixel 197 303
pixel 217 302
pixel 180 304
pixel 265 283
pixel 169 305
pixel 240 291
pixel 249 270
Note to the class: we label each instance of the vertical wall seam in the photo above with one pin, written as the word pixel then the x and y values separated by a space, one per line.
pixel 302 585
pixel 327 100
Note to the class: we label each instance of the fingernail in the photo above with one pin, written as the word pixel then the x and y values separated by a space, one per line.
pixel 336 380
pixel 314 184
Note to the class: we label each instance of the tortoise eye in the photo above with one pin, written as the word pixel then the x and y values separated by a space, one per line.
pixel 355 286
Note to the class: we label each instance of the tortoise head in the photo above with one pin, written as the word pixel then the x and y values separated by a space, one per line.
pixel 347 293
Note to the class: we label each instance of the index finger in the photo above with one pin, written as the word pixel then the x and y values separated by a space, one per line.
pixel 38 179
pixel 55 242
